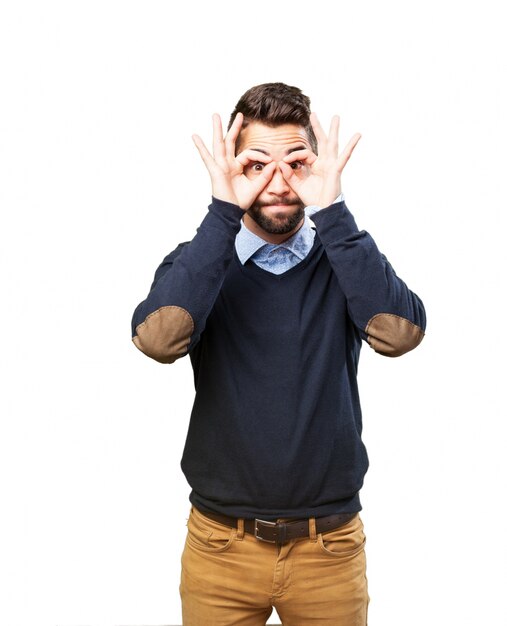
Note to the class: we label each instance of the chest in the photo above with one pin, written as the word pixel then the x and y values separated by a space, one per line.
pixel 269 309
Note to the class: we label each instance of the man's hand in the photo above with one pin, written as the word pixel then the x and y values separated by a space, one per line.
pixel 228 181
pixel 323 184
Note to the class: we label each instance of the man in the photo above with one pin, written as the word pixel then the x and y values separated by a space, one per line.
pixel 272 312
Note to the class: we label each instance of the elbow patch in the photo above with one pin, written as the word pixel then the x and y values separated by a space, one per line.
pixel 392 335
pixel 165 334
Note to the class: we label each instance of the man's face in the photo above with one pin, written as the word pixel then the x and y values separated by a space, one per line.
pixel 277 209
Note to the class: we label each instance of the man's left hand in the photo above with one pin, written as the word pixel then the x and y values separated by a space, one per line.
pixel 323 184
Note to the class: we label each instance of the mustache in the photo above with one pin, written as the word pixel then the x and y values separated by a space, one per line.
pixel 282 202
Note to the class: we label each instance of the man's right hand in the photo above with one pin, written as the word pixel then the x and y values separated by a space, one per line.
pixel 228 180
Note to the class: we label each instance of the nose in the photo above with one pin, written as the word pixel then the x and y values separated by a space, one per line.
pixel 278 185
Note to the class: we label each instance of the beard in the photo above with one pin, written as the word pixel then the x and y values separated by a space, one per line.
pixel 281 224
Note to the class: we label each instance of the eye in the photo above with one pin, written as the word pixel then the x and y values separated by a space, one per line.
pixel 257 167
pixel 296 165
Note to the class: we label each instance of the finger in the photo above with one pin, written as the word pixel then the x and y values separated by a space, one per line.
pixel 259 182
pixel 306 155
pixel 290 176
pixel 232 135
pixel 334 129
pixel 319 131
pixel 347 151
pixel 248 156
pixel 203 151
pixel 218 137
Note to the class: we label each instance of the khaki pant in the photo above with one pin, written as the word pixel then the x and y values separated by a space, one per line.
pixel 230 578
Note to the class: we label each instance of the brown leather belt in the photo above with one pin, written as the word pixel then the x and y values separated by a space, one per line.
pixel 282 532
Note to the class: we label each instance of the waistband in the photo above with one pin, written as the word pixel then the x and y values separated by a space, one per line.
pixel 282 532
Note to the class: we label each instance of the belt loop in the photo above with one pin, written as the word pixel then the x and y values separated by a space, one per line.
pixel 312 528
pixel 241 529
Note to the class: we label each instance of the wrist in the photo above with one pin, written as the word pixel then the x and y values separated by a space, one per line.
pixel 225 196
pixel 311 209
pixel 326 201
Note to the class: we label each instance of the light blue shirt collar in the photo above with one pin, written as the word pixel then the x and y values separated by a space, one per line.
pixel 300 243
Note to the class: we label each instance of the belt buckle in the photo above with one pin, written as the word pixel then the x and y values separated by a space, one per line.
pixel 256 530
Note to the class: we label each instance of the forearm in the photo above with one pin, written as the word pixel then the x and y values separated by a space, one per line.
pixel 387 313
pixel 168 323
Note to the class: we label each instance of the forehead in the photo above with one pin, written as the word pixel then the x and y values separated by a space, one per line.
pixel 272 139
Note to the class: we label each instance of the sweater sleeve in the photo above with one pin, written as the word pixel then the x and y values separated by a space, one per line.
pixel 169 322
pixel 388 315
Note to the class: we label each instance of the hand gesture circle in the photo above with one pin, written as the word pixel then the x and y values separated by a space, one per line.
pixel 323 184
pixel 226 170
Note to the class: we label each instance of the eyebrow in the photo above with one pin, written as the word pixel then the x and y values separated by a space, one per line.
pixel 288 151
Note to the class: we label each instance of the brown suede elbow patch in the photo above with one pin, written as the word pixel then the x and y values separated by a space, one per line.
pixel 165 334
pixel 392 335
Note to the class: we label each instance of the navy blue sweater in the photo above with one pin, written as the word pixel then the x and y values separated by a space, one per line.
pixel 275 429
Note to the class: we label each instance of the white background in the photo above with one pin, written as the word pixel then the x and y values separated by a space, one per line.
pixel 100 180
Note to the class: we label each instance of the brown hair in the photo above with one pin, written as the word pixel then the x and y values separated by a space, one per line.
pixel 275 104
